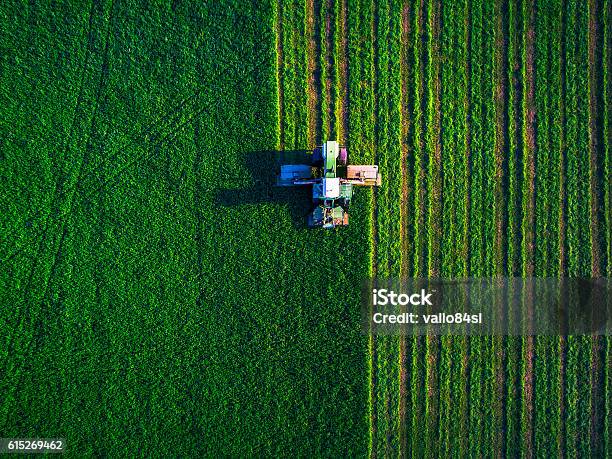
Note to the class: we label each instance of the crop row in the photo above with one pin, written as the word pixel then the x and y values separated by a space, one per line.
pixel 452 134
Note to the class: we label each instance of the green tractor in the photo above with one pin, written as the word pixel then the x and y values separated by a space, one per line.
pixel 332 181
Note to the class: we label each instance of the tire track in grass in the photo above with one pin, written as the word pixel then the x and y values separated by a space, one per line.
pixel 147 140
pixel 20 343
pixel 83 75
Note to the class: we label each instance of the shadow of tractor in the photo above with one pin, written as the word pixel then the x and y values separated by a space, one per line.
pixel 263 167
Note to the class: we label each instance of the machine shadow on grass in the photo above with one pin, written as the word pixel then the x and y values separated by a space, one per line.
pixel 263 167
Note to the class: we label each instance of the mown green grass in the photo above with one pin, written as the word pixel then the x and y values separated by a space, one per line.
pixel 149 316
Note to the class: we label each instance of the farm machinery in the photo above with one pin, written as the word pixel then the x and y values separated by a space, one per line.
pixel 332 180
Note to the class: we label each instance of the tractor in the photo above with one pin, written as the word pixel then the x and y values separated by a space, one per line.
pixel 332 180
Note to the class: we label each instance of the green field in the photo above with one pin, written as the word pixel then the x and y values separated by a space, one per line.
pixel 159 297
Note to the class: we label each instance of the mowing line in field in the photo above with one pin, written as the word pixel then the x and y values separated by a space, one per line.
pixel 562 216
pixel 313 52
pixel 607 90
pixel 475 265
pixel 322 55
pixel 386 108
pixel 500 373
pixel 20 340
pixel 528 210
pixel 597 196
pixel 596 138
pixel 607 424
pixel 579 263
pixel 331 73
pixel 405 123
pixel 546 368
pixel 342 63
pixel 432 158
pixel 529 132
pixel 417 95
pixel 422 56
pixel 279 72
pixel 361 141
pixel 89 37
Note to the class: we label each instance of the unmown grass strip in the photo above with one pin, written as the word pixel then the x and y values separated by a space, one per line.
pixel 547 92
pixel 312 26
pixel 420 50
pixel 432 158
pixel 561 412
pixel 342 59
pixel 280 71
pixel 577 140
pixel 360 139
pixel 477 244
pixel 387 83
